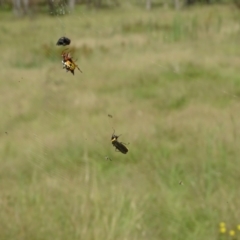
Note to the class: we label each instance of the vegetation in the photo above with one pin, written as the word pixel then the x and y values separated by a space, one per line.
pixel 171 82
pixel 33 7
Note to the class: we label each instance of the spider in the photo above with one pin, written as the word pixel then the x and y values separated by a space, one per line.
pixel 68 63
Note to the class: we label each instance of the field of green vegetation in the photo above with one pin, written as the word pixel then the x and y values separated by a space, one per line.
pixel 170 80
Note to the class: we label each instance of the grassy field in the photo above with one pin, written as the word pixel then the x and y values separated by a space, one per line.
pixel 171 82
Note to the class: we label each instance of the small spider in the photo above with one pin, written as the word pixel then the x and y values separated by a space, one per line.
pixel 68 63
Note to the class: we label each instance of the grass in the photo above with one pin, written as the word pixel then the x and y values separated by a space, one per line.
pixel 171 82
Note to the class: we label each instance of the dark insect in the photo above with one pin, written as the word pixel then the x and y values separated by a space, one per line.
pixel 68 63
pixel 120 147
pixel 109 115
pixel 63 41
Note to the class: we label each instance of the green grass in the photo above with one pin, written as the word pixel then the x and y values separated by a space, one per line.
pixel 171 82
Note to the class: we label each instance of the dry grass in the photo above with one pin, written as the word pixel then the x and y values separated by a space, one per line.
pixel 171 82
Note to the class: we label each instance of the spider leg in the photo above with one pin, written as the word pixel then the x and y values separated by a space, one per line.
pixel 63 52
pixel 78 68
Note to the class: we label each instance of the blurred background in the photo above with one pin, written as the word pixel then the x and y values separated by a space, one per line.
pixel 165 75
